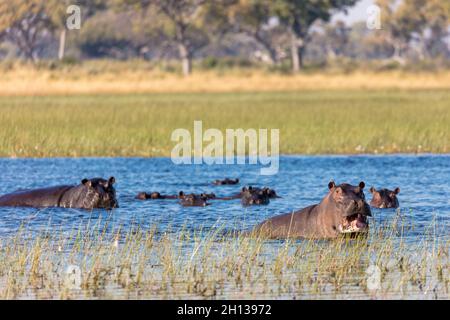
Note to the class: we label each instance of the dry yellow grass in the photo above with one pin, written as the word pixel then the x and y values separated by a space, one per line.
pixel 85 79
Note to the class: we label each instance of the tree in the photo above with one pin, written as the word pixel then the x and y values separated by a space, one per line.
pixel 437 19
pixel 422 21
pixel 253 18
pixel 57 11
pixel 188 24
pixel 299 15
pixel 22 22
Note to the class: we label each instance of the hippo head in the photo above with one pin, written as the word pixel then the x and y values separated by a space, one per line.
pixel 271 193
pixel 145 196
pixel 384 198
pixel 254 196
pixel 142 196
pixel 208 195
pixel 100 193
pixel 226 181
pixel 350 206
pixel 193 200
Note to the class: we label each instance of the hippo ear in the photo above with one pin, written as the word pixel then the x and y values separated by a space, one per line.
pixel 244 189
pixel 362 185
pixel 86 182
pixel 111 181
pixel 181 193
pixel 372 190
pixel 397 190
pixel 331 185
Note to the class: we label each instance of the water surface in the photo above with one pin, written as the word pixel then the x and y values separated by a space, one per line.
pixel 301 181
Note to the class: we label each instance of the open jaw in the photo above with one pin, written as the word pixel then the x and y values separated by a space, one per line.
pixel 354 223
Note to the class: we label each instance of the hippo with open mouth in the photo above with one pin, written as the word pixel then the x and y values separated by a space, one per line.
pixel 384 198
pixel 89 194
pixel 342 211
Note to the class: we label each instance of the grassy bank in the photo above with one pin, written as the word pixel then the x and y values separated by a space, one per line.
pixel 137 76
pixel 310 122
pixel 145 264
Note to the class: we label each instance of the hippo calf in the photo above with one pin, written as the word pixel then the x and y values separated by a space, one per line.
pixel 342 211
pixel 89 194
pixel 226 181
pixel 384 198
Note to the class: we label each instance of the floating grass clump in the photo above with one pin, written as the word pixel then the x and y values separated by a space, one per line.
pixel 110 262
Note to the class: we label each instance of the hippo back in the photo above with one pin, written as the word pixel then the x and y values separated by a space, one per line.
pixel 39 198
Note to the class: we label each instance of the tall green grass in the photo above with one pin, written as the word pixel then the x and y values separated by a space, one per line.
pixel 138 263
pixel 312 122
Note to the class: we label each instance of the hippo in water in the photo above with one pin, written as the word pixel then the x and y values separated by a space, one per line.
pixel 255 196
pixel 193 200
pixel 270 193
pixel 226 181
pixel 89 194
pixel 154 196
pixel 384 198
pixel 342 211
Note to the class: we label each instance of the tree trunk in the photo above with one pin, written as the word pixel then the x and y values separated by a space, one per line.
pixel 296 53
pixel 186 59
pixel 268 47
pixel 62 44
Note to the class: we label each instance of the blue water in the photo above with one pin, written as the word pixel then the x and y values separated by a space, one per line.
pixel 301 181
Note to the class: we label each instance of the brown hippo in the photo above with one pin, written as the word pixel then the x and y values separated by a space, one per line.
pixel 267 191
pixel 226 181
pixel 255 196
pixel 154 196
pixel 384 198
pixel 342 211
pixel 90 194
pixel 193 200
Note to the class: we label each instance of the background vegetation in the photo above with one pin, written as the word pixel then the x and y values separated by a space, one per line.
pixel 285 34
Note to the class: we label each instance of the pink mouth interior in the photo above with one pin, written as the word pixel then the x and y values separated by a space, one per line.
pixel 354 223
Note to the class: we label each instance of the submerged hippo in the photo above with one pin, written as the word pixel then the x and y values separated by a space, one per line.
pixel 342 211
pixel 193 200
pixel 384 198
pixel 226 181
pixel 255 196
pixel 271 193
pixel 90 194
pixel 154 196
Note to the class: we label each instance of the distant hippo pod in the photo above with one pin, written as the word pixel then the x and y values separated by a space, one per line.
pixel 343 210
pixel 90 194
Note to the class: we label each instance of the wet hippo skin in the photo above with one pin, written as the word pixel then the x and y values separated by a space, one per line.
pixel 89 194
pixel 342 211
